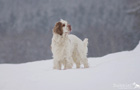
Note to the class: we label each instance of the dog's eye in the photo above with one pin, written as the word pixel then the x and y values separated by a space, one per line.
pixel 63 25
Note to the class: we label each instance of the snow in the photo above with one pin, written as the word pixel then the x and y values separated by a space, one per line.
pixel 104 73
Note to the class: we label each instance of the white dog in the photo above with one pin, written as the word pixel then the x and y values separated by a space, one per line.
pixel 68 48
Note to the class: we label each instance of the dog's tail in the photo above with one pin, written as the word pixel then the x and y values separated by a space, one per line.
pixel 85 42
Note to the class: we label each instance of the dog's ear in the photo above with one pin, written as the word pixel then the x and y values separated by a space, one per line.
pixel 58 28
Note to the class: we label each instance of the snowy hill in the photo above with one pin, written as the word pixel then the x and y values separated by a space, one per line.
pixel 111 72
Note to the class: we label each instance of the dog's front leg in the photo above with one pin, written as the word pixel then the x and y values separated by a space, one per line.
pixel 68 63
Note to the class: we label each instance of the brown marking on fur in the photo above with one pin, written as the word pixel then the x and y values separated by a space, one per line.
pixel 58 28
pixel 69 26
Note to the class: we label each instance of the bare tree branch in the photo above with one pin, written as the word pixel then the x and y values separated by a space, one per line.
pixel 134 10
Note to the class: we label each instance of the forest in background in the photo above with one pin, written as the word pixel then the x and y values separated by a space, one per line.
pixel 26 26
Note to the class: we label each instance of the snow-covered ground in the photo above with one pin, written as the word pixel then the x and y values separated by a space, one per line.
pixel 112 72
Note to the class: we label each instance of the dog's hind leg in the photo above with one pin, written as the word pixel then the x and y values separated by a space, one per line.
pixel 76 61
pixel 57 65
pixel 85 62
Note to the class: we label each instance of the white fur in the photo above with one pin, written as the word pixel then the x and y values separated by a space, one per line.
pixel 68 48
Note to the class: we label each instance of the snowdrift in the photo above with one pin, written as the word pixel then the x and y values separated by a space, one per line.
pixel 112 72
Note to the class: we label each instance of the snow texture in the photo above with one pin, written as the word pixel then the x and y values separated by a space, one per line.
pixel 104 72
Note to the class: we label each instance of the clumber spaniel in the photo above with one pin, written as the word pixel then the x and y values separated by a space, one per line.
pixel 67 48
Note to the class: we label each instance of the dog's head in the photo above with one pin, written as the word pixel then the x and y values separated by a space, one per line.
pixel 62 27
